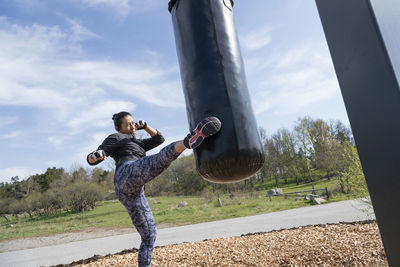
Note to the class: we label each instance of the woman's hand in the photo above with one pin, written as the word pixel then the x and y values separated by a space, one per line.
pixel 140 125
pixel 96 156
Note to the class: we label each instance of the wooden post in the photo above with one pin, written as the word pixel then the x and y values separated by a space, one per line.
pixel 19 222
pixel 327 192
pixel 219 201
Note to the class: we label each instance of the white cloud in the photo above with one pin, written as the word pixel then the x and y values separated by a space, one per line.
pixel 295 79
pixel 21 172
pixel 56 141
pixel 52 163
pixel 305 54
pixel 7 120
pixel 10 135
pixel 99 114
pixel 122 8
pixel 256 39
pixel 44 67
pixel 79 32
pixel 29 5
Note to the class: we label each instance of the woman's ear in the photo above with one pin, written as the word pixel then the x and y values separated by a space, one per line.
pixel 116 128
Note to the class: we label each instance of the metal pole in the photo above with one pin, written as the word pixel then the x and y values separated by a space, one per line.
pixel 371 95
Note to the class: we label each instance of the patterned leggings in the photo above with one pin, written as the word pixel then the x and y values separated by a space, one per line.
pixel 129 180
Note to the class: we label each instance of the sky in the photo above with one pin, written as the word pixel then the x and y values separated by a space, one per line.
pixel 67 66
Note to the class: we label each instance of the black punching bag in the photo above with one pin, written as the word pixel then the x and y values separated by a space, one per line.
pixel 214 84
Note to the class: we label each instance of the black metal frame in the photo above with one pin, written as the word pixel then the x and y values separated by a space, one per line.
pixel 371 94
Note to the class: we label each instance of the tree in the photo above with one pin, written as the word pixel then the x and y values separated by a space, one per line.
pixel 13 189
pixel 320 140
pixel 263 137
pixel 302 133
pixel 341 132
pixel 302 130
pixel 289 156
pixel 272 160
pixel 31 203
pixel 7 190
pixel 79 175
pixel 304 165
pixel 5 207
pixel 103 177
pixel 45 179
pixel 352 177
pixel 189 182
pixel 15 207
pixel 321 143
pixel 64 180
pixel 84 195
pixel 29 185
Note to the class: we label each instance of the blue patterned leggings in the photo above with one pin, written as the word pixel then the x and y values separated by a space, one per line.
pixel 130 178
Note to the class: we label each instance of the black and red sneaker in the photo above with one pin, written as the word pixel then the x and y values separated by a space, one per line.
pixel 207 127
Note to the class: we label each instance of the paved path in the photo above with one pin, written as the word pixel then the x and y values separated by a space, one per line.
pixel 344 211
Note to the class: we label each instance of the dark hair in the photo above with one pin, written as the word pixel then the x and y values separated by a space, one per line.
pixel 118 117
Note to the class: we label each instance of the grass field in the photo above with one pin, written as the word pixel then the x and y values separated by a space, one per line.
pixel 111 214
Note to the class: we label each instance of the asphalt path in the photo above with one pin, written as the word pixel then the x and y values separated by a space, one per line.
pixel 344 211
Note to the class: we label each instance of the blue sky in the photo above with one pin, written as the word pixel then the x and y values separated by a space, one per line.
pixel 67 66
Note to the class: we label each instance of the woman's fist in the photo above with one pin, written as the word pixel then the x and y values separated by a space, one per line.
pixel 95 156
pixel 140 125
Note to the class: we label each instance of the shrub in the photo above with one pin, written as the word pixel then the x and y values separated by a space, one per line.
pixel 5 207
pixel 83 195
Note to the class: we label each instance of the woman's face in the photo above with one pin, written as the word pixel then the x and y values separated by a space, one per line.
pixel 127 126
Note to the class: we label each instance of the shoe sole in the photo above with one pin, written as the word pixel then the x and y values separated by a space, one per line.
pixel 205 128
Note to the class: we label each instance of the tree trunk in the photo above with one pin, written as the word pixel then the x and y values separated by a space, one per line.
pixel 251 183
pixel 276 181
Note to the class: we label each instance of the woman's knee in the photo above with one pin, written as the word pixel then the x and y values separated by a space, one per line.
pixel 148 233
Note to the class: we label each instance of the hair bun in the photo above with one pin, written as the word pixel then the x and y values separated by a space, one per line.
pixel 113 117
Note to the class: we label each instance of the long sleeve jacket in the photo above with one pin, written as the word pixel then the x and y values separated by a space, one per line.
pixel 124 147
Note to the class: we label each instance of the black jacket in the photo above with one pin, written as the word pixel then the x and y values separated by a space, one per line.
pixel 124 147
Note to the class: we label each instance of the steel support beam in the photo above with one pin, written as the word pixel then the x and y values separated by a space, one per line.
pixel 371 93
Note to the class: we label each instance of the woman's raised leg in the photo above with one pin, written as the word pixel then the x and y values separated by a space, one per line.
pixel 132 175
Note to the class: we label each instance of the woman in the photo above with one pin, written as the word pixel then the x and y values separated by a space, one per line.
pixel 134 169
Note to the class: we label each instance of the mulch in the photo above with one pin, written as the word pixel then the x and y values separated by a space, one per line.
pixel 343 244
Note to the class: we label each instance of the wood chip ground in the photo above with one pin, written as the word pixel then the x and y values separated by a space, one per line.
pixel 357 244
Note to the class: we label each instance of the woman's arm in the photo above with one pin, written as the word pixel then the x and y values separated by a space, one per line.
pixel 105 149
pixel 151 131
pixel 155 140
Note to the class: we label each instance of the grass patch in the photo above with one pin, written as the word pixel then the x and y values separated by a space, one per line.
pixel 112 214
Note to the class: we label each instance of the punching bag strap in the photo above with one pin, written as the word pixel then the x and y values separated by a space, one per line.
pixel 229 6
pixel 172 3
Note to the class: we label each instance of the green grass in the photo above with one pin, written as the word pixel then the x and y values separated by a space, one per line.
pixel 111 214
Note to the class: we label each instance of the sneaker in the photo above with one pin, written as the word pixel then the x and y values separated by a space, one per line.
pixel 207 127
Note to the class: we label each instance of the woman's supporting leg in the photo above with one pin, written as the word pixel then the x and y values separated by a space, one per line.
pixel 141 216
